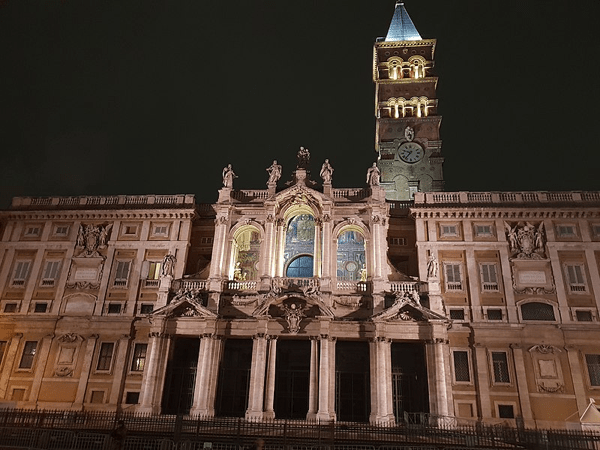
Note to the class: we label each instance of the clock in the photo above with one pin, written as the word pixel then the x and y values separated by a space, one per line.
pixel 411 152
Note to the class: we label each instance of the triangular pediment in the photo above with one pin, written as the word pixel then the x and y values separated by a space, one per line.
pixel 184 307
pixel 407 308
pixel 274 304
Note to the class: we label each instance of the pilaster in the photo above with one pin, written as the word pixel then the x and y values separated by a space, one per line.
pixel 85 371
pixel 9 363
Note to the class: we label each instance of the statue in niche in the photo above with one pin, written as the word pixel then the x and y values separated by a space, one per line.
pixel 92 238
pixel 373 175
pixel 433 267
pixel 228 176
pixel 293 315
pixel 409 134
pixel 326 172
pixel 303 158
pixel 168 265
pixel 526 241
pixel 274 173
pixel 362 274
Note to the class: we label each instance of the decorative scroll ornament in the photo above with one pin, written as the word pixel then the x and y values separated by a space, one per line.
pixel 92 238
pixel 63 372
pixel 526 241
pixel 69 338
pixel 293 315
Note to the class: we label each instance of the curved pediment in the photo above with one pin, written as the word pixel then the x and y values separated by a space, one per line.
pixel 184 306
pixel 273 304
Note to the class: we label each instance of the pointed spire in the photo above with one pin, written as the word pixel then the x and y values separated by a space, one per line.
pixel 402 27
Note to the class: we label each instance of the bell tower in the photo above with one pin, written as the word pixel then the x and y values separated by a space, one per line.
pixel 407 127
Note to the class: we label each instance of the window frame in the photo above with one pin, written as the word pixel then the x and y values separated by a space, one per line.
pixel 489 286
pixel 50 281
pixel 32 352
pixel 104 357
pixel 498 404
pixel 17 270
pixel 466 351
pixel 491 362
pixel 537 301
pixel 448 283
pixel 119 282
pixel 138 358
pixel 576 287
pixel 596 376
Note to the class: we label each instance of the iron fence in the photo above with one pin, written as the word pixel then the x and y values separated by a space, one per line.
pixel 66 430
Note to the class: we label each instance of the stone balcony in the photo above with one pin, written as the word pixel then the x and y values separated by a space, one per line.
pixel 529 198
pixel 103 202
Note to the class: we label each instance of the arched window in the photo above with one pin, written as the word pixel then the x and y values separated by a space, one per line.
pixel 537 311
pixel 299 240
pixel 300 267
pixel 246 249
pixel 350 255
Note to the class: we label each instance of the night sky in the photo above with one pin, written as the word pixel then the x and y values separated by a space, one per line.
pixel 155 97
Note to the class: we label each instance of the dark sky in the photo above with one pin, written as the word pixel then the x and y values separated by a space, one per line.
pixel 141 97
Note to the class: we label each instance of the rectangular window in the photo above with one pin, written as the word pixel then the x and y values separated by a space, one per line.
pixel 61 230
pixel 596 230
pixel 50 274
pixel 483 230
pixel 449 230
pixel 28 354
pixel 494 314
pixel 575 277
pixel 506 412
pixel 489 277
pixel 161 230
pixel 566 230
pixel 593 365
pixel 10 307
pixel 153 270
pixel 18 394
pixel 398 241
pixel 2 350
pixel 457 314
pixel 500 367
pixel 40 307
pixel 105 356
pixel 122 273
pixel 461 366
pixel 114 308
pixel 583 315
pixel 21 273
pixel 146 308
pixel 32 231
pixel 130 230
pixel 97 397
pixel 139 357
pixel 132 398
pixel 453 277
pixel 206 240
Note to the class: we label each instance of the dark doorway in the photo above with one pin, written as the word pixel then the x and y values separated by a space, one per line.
pixel 234 378
pixel 409 379
pixel 291 379
pixel 181 376
pixel 352 389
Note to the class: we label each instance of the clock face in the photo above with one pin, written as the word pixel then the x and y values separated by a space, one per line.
pixel 411 152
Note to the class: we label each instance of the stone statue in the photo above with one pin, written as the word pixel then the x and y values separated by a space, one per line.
pixel 303 158
pixel 432 267
pixel 326 172
pixel 409 134
pixel 373 175
pixel 104 235
pixel 168 265
pixel 274 173
pixel 526 241
pixel 228 176
pixel 363 274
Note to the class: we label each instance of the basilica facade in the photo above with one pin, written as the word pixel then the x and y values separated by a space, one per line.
pixel 307 301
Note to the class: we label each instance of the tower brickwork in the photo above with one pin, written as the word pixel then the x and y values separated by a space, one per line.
pixel 407 128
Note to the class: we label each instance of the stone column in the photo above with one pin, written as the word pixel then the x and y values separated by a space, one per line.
pixel 149 403
pixel 472 276
pixel 326 411
pixel 376 247
pixel 200 404
pixel 120 369
pixel 381 381
pixel 40 363
pixel 435 356
pixel 267 266
pixel 318 250
pixel 522 386
pixel 483 381
pixel 313 387
pixel 219 250
pixel 257 378
pixel 511 307
pixel 590 259
pixel 577 377
pixel 280 244
pixel 214 364
pixel 8 363
pixel 327 247
pixel 270 385
pixel 85 371
pixel 563 305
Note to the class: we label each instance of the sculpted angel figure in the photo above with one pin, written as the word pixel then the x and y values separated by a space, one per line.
pixel 274 172
pixel 104 231
pixel 373 175
pixel 228 176
pixel 303 158
pixel 326 172
pixel 409 134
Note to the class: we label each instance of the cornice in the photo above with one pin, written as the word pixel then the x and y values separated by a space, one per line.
pixel 97 215
pixel 399 44
pixel 425 80
pixel 510 213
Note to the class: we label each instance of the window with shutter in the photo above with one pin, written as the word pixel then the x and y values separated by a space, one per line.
pixel 50 274
pixel 21 273
pixel 575 277
pixel 489 277
pixel 122 273
pixel 453 277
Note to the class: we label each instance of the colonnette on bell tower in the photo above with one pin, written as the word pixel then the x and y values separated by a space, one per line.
pixel 308 301
pixel 407 127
